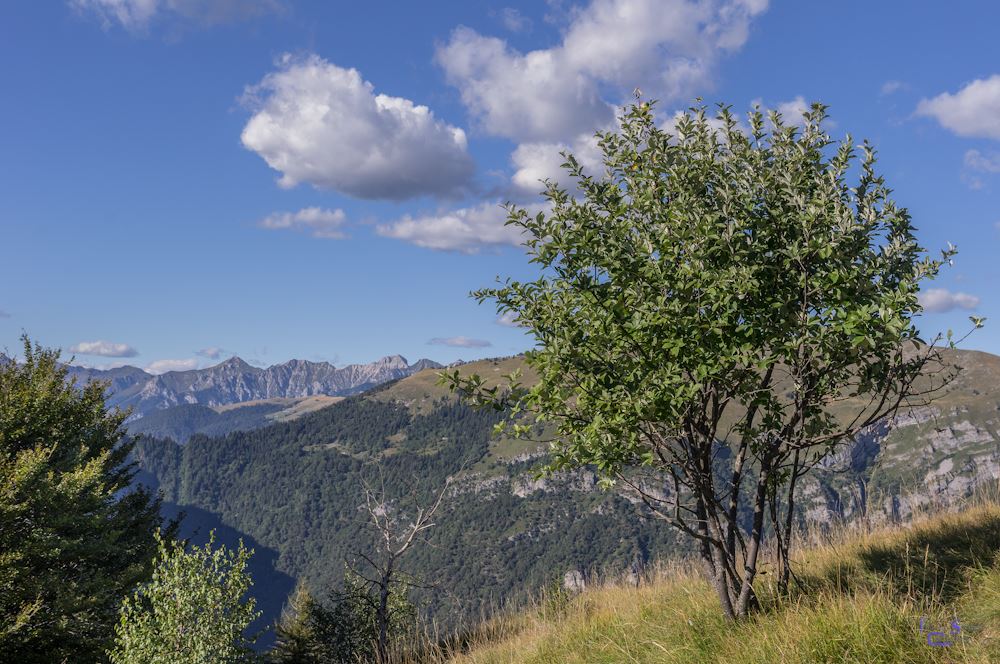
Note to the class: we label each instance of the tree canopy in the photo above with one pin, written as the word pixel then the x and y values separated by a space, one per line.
pixel 723 304
pixel 75 537
pixel 194 610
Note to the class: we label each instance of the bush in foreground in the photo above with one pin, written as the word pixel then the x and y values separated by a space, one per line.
pixel 193 611
pixel 75 537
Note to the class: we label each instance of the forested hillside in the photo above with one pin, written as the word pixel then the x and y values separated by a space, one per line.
pixel 296 488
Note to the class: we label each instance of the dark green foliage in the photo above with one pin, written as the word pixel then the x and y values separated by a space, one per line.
pixel 297 633
pixel 297 488
pixel 758 287
pixel 340 631
pixel 74 538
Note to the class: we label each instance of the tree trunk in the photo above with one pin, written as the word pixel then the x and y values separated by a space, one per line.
pixel 382 616
pixel 743 604
pixel 720 580
pixel 714 565
pixel 785 538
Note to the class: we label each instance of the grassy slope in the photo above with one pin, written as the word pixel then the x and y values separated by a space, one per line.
pixel 862 601
pixel 183 421
pixel 907 457
pixel 422 389
pixel 291 408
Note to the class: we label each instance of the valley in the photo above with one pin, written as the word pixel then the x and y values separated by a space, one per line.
pixel 296 486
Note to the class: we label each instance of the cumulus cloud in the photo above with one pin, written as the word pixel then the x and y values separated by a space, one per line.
pixel 977 161
pixel 104 348
pixel 163 366
pixel 792 111
pixel 317 221
pixel 137 15
pixel 507 319
pixel 973 111
pixel 514 20
pixel 555 94
pixel 941 300
pixel 468 230
pixel 322 124
pixel 212 352
pixel 892 87
pixel 459 342
pixel 536 162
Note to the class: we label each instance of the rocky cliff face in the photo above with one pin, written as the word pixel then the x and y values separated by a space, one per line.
pixel 923 459
pixel 932 455
pixel 235 381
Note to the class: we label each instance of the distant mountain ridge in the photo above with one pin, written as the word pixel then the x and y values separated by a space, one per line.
pixel 295 486
pixel 235 381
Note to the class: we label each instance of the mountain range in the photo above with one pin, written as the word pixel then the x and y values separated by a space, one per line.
pixel 234 381
pixel 293 485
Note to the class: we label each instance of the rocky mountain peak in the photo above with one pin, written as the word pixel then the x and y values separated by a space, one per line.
pixel 392 362
pixel 424 363
pixel 236 362
pixel 235 381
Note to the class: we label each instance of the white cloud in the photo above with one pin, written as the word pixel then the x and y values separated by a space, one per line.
pixel 792 111
pixel 467 230
pixel 507 319
pixel 974 164
pixel 892 87
pixel 972 111
pixel 974 182
pixel 460 342
pixel 104 348
pixel 514 20
pixel 163 366
pixel 319 123
pixel 533 97
pixel 212 352
pixel 319 222
pixel 131 14
pixel 137 15
pixel 977 161
pixel 941 300
pixel 666 47
pixel 534 162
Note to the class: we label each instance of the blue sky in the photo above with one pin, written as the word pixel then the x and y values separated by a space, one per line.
pixel 182 180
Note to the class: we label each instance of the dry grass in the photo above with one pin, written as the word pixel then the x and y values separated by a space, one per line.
pixel 420 390
pixel 861 597
pixel 292 407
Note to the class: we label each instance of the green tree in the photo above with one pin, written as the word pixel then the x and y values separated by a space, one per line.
pixel 74 536
pixel 343 631
pixel 194 610
pixel 721 306
pixel 297 634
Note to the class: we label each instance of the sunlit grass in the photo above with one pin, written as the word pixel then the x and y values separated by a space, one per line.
pixel 860 598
